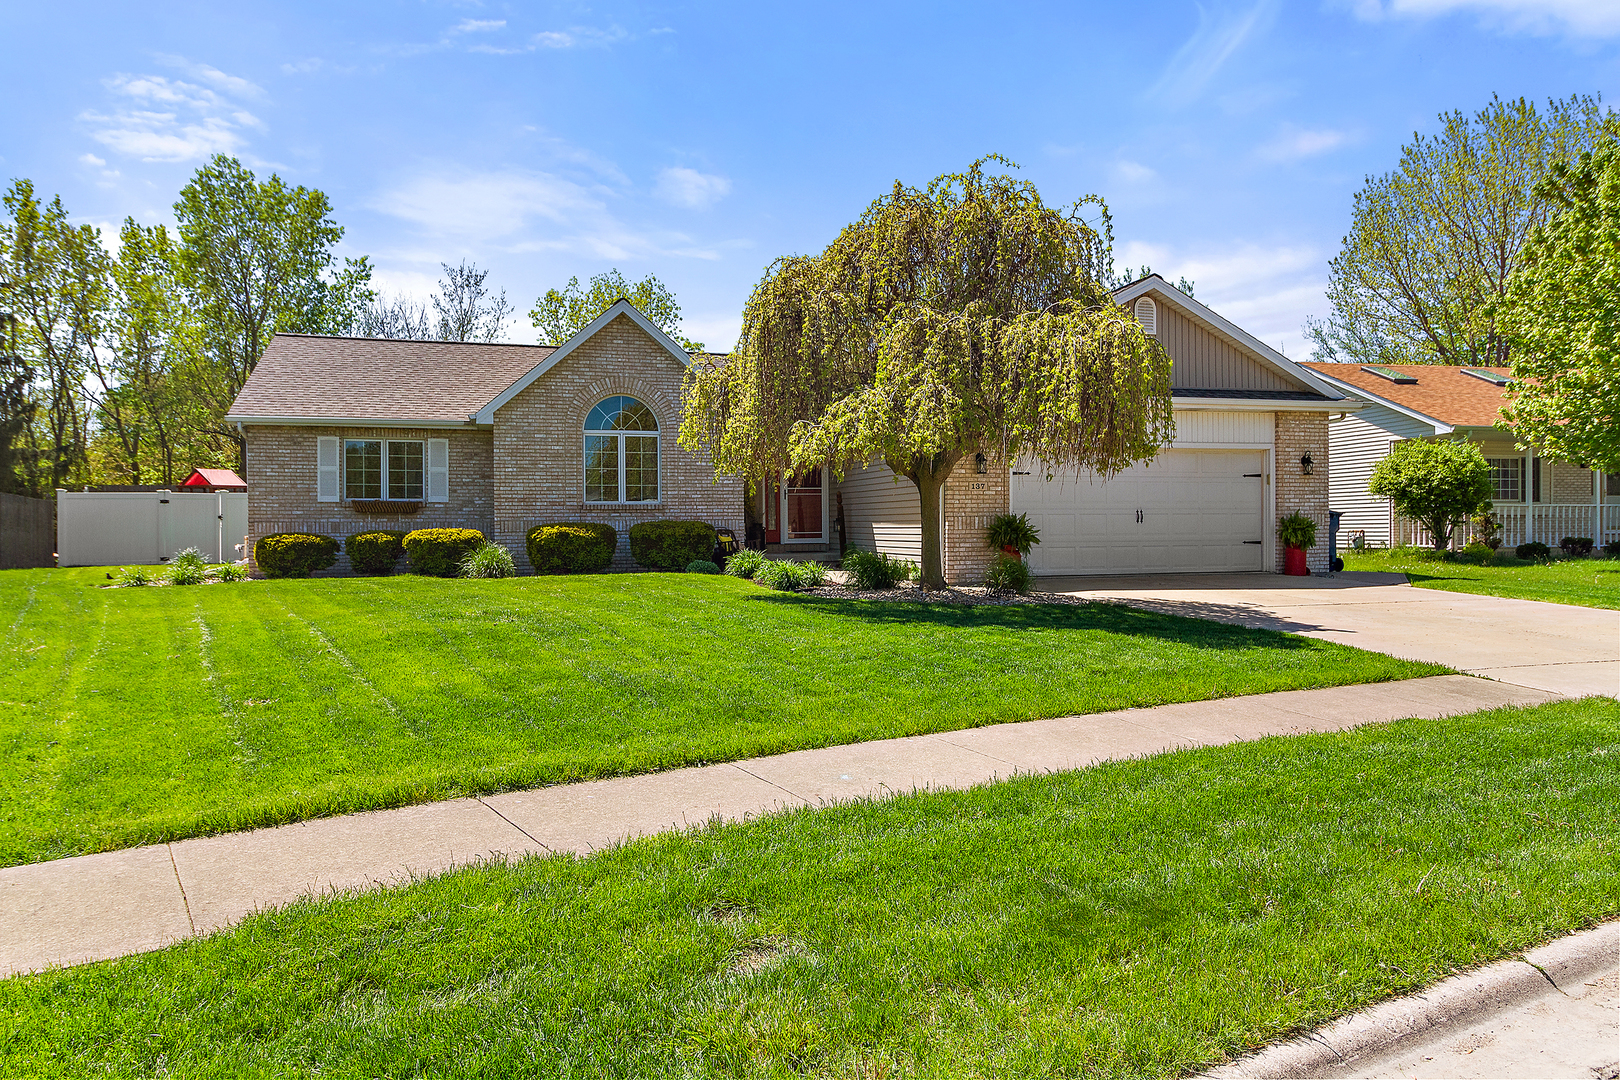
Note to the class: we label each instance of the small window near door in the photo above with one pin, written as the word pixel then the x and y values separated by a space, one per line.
pixel 804 506
pixel 1507 479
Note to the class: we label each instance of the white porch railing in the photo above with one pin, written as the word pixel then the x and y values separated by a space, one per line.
pixel 1521 524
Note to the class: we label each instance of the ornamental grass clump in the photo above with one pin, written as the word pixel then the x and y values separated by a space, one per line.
pixel 1007 574
pixel 439 552
pixel 790 576
pixel 188 567
pixel 572 547
pixel 231 571
pixel 488 561
pixel 873 570
pixel 134 576
pixel 745 563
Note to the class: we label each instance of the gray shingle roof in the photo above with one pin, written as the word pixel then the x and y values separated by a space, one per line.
pixel 336 378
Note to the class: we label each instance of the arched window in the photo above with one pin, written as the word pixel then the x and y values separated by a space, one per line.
pixel 1147 313
pixel 621 452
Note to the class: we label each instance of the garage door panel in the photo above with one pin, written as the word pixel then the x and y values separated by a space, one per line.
pixel 1198 508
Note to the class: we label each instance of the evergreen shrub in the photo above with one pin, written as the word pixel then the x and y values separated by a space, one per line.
pixel 572 547
pixel 294 554
pixel 439 552
pixel 670 545
pixel 376 551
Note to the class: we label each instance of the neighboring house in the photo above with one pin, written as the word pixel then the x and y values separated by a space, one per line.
pixel 1246 420
pixel 349 434
pixel 1535 499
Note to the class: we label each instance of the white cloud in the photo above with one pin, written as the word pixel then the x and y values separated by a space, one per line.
pixel 1133 172
pixel 303 67
pixel 230 85
pixel 1577 18
pixel 1203 55
pixel 477 26
pixel 680 186
pixel 1296 143
pixel 1268 291
pixel 91 159
pixel 580 37
pixel 160 119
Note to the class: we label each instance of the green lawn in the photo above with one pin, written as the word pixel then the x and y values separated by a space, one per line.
pixel 1587 582
pixel 1140 918
pixel 137 715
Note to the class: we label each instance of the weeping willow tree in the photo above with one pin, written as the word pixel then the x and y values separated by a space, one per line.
pixel 959 318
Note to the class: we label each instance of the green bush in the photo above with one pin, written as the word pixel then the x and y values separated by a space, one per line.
pixel 231 572
pixel 376 551
pixel 1576 545
pixel 1478 553
pixel 572 547
pixel 488 561
pixel 438 552
pixel 702 566
pixel 670 545
pixel 1612 549
pixel 1012 531
pixel 1297 531
pixel 134 575
pixel 1436 484
pixel 745 563
pixel 1535 549
pixel 1007 574
pixel 188 567
pixel 790 576
pixel 876 570
pixel 294 554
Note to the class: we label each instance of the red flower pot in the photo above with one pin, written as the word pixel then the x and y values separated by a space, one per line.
pixel 1294 562
pixel 1011 552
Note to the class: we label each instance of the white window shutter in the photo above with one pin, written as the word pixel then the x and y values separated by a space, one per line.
pixel 1147 313
pixel 438 470
pixel 326 461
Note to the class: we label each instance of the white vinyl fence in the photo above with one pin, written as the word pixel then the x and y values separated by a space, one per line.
pixel 123 528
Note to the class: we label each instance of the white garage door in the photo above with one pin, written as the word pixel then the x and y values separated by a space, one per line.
pixel 1186 511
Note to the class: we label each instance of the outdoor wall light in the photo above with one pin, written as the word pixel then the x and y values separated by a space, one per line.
pixel 1305 465
pixel 980 465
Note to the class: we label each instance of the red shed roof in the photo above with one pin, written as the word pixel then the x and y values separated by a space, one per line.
pixel 213 478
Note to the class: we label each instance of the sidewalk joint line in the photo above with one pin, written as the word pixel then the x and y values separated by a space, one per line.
pixel 181 885
pixel 943 736
pixel 480 800
pixel 772 783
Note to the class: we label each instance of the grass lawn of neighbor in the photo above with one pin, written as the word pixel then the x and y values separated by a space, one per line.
pixel 1589 582
pixel 1138 918
pixel 136 715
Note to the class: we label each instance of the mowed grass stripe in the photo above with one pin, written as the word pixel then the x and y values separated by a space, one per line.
pixel 1141 918
pixel 333 695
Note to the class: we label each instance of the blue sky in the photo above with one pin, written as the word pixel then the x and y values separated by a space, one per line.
pixel 699 142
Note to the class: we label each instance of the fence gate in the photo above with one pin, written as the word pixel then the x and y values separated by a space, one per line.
pixel 122 528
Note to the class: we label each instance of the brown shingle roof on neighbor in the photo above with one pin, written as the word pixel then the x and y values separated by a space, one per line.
pixel 335 378
pixel 1449 394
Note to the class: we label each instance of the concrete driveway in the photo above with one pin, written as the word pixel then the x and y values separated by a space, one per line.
pixel 1568 650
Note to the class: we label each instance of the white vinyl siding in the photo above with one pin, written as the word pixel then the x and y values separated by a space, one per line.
pixel 1355 445
pixel 882 513
pixel 326 469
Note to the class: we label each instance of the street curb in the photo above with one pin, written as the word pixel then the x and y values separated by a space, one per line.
pixel 1380 1028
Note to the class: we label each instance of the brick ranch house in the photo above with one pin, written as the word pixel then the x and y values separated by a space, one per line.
pixel 347 434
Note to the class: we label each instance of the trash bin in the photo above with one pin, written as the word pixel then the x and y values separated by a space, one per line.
pixel 1335 564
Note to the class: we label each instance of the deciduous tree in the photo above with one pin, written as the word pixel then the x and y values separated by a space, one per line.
pixel 1433 243
pixel 562 313
pixel 1562 319
pixel 1436 484
pixel 964 317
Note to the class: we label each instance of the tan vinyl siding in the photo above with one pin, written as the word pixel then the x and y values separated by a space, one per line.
pixel 1357 443
pixel 1204 427
pixel 882 513
pixel 1202 360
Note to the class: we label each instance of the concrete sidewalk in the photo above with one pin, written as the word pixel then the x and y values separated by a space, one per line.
pixel 96 906
pixel 1569 650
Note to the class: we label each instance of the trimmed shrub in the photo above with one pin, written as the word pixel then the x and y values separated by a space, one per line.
pixel 1576 545
pixel 1007 574
pixel 376 551
pixel 438 552
pixel 670 545
pixel 294 554
pixel 1477 552
pixel 1612 550
pixel 876 570
pixel 231 571
pixel 702 566
pixel 572 547
pixel 745 563
pixel 790 576
pixel 488 561
pixel 188 567
pixel 1535 549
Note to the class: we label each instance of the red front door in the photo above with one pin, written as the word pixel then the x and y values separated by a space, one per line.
pixel 773 511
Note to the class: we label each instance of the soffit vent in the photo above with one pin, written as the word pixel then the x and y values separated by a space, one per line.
pixel 1495 378
pixel 1147 313
pixel 1389 373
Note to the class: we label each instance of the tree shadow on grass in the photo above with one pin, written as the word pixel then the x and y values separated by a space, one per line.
pixel 1197 623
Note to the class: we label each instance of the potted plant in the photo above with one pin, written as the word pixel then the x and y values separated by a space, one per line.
pixel 1012 535
pixel 1297 532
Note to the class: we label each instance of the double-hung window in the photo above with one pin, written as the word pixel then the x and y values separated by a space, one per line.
pixel 621 452
pixel 383 469
pixel 1507 479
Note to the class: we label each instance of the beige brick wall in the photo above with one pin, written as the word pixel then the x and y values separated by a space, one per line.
pixel 539 445
pixel 1570 484
pixel 1299 433
pixel 282 473
pixel 969 501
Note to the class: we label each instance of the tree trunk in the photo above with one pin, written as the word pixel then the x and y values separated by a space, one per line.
pixel 929 475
